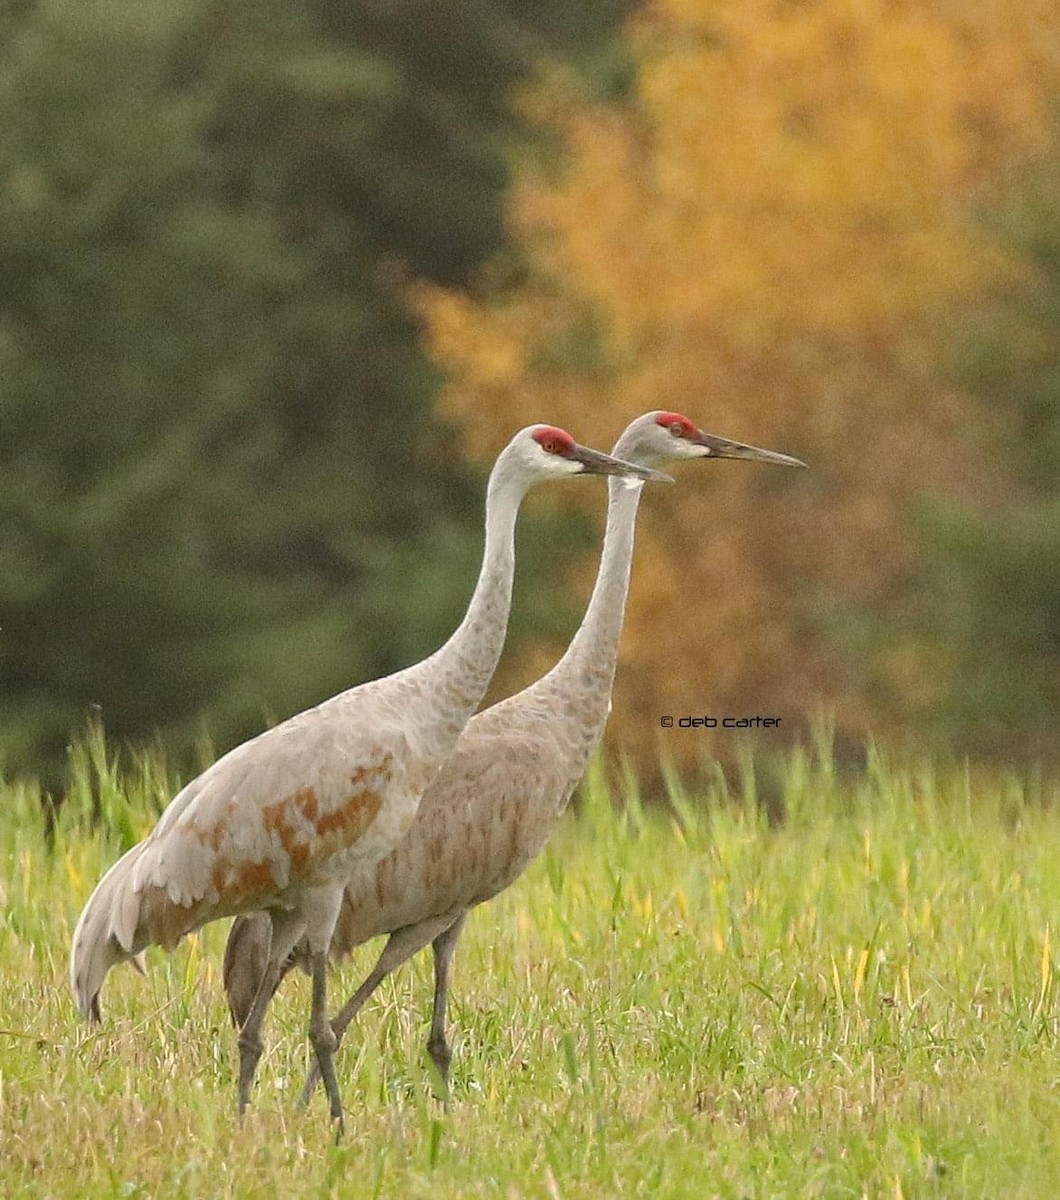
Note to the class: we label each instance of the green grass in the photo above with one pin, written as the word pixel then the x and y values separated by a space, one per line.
pixel 858 998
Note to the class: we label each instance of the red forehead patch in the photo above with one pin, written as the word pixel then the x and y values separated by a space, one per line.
pixel 553 439
pixel 667 419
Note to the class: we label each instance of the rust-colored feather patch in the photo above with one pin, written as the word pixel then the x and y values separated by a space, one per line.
pixel 245 882
pixel 277 819
pixel 165 922
pixel 305 830
pixel 351 818
pixel 385 878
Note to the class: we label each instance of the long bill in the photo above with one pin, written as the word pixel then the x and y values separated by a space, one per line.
pixel 595 463
pixel 718 447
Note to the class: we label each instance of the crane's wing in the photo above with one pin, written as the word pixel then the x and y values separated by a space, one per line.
pixel 277 813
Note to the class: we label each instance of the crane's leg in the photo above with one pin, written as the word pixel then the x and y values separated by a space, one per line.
pixel 400 946
pixel 321 906
pixel 287 928
pixel 338 1025
pixel 437 1046
pixel 323 1037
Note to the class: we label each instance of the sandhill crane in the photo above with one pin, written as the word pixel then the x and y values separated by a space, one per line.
pixel 499 796
pixel 279 823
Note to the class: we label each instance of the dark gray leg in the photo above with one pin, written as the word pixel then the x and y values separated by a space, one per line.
pixel 250 1043
pixel 338 1025
pixel 437 1046
pixel 285 931
pixel 401 946
pixel 323 1037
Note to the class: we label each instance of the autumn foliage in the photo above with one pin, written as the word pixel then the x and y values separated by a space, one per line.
pixel 779 233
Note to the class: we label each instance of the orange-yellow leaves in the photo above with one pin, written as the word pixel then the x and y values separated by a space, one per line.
pixel 814 152
pixel 778 235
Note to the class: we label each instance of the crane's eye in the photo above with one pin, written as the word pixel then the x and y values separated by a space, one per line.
pixel 554 441
pixel 677 429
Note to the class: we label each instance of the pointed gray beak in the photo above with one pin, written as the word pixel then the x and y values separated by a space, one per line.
pixel 595 463
pixel 717 447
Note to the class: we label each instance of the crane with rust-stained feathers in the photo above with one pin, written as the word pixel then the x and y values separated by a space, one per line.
pixel 279 824
pixel 498 798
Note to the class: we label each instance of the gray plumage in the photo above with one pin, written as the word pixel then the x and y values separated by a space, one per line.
pixel 281 822
pixel 498 798
pixel 111 906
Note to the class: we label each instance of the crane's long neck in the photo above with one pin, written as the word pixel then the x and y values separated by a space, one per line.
pixel 456 676
pixel 586 673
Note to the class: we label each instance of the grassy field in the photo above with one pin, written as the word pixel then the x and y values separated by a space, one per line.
pixel 855 996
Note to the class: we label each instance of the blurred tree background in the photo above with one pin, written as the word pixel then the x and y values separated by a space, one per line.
pixel 223 489
pixel 829 229
pixel 236 477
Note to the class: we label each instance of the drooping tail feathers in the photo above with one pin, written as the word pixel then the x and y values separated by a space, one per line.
pixel 104 934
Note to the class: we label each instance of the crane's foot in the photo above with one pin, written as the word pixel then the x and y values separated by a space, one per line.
pixel 441 1057
pixel 339 1125
pixel 249 1054
pixel 326 1063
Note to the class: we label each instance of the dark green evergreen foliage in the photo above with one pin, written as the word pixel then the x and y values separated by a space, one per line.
pixel 993 574
pixel 222 489
pixel 432 179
